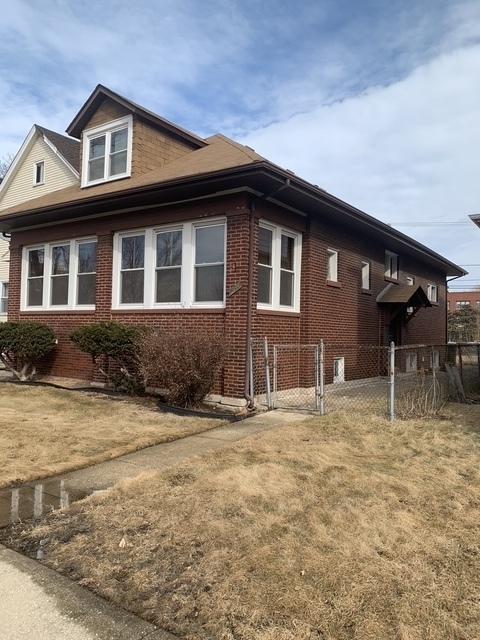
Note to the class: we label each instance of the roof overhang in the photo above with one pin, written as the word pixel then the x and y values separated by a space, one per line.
pixel 403 295
pixel 475 219
pixel 100 92
pixel 259 178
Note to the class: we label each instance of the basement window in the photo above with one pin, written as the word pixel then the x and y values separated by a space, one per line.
pixel 278 268
pixel 107 152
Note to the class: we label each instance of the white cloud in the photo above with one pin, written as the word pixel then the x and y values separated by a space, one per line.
pixel 407 152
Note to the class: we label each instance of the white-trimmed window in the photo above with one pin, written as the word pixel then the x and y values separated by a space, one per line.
pixel 278 268
pixel 332 265
pixel 3 298
pixel 365 275
pixel 391 265
pixel 410 361
pixel 107 152
pixel 410 281
pixel 432 292
pixel 175 266
pixel 461 304
pixel 38 173
pixel 59 275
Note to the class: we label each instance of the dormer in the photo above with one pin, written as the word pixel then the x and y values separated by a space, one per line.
pixel 120 139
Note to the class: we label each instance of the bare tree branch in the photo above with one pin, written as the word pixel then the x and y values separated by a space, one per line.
pixel 5 162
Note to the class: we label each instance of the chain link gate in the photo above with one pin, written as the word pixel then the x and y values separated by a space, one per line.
pixel 287 376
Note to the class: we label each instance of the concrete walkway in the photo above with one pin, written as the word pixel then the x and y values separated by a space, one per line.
pixel 38 603
pixel 33 499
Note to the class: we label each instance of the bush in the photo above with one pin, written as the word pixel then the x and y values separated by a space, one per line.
pixel 111 343
pixel 22 344
pixel 182 363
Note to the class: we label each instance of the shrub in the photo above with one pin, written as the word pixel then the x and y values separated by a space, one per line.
pixel 182 363
pixel 112 347
pixel 22 344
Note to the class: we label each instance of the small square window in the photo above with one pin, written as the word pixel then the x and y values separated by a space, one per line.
pixel 39 173
pixel 332 265
pixel 410 281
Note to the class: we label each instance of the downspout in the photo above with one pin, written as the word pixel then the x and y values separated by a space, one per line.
pixel 251 255
pixel 249 363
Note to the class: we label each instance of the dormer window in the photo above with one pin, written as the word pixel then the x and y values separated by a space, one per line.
pixel 38 173
pixel 107 152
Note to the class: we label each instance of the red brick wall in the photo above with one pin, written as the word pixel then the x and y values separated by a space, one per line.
pixel 341 315
pixel 473 297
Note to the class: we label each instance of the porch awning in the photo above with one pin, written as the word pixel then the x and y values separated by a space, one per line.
pixel 404 294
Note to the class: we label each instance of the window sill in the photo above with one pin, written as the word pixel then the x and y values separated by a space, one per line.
pixel 366 292
pixel 334 283
pixel 124 176
pixel 38 184
pixel 434 304
pixel 57 311
pixel 169 310
pixel 262 311
pixel 393 280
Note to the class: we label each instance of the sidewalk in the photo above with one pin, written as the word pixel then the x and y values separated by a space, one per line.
pixel 40 604
pixel 35 498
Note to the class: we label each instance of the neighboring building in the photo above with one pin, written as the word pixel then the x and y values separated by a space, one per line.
pixel 46 162
pixel 4 258
pixel 165 228
pixel 460 299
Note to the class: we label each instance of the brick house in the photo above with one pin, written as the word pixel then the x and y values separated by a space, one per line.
pixel 165 228
pixel 460 299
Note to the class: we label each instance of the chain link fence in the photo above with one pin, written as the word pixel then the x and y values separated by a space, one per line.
pixel 396 381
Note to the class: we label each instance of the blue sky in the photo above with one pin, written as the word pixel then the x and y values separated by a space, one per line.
pixel 377 102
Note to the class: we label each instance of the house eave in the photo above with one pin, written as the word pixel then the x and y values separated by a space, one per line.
pixel 260 177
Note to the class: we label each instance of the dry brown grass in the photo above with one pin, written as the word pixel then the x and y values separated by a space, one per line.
pixel 45 431
pixel 337 528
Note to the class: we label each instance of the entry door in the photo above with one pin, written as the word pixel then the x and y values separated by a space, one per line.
pixel 339 370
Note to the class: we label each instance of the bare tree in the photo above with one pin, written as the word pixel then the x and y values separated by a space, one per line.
pixel 5 162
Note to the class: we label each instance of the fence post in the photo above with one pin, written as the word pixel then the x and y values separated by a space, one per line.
pixel 275 374
pixel 317 378
pixel 268 392
pixel 321 379
pixel 391 381
pixel 250 373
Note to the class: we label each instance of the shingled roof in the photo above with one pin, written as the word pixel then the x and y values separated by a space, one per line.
pixel 219 153
pixel 69 148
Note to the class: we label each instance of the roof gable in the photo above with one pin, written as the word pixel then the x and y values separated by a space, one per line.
pixel 61 157
pixel 96 98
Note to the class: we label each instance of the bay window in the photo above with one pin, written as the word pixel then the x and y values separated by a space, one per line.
pixel 168 279
pixel 107 152
pixel 278 268
pixel 36 264
pixel 265 242
pixel 173 266
pixel 3 298
pixel 59 275
pixel 209 263
pixel 132 270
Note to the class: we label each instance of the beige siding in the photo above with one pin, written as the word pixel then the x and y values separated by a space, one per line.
pixel 20 187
